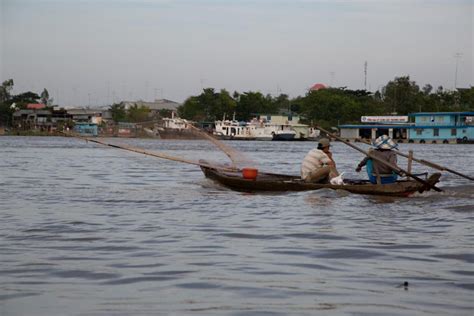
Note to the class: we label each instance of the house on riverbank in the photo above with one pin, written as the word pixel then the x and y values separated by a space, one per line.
pixel 423 127
pixel 442 127
pixel 374 126
pixel 40 119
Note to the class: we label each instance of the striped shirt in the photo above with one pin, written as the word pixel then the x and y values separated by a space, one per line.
pixel 314 160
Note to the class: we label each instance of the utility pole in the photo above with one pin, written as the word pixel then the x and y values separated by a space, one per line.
pixel 108 92
pixel 457 56
pixel 146 90
pixel 365 75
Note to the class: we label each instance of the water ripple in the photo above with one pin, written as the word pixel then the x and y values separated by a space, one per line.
pixel 92 230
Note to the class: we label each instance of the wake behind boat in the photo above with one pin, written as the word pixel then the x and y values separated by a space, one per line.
pixel 270 182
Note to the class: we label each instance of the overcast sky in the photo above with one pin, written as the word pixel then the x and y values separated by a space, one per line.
pixel 95 52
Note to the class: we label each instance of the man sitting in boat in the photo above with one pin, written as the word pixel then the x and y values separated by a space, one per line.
pixel 383 148
pixel 318 165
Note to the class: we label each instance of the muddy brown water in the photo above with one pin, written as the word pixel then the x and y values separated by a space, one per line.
pixel 91 230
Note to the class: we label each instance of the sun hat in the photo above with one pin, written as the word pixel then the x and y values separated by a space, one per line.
pixel 384 142
pixel 324 142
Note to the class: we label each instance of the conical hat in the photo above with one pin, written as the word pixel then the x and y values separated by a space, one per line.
pixel 384 142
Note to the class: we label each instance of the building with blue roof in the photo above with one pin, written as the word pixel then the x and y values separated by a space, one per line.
pixel 423 127
pixel 86 129
pixel 445 127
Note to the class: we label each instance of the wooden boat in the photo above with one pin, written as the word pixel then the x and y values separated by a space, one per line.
pixel 270 182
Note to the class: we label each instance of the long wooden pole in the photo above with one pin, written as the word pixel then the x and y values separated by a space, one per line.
pixel 410 160
pixel 431 164
pixel 436 166
pixel 394 167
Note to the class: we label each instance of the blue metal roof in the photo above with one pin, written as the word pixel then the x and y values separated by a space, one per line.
pixel 440 113
pixel 405 126
pixel 442 126
pixel 376 126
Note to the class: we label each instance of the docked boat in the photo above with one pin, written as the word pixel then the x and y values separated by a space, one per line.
pixel 151 132
pixel 314 133
pixel 176 128
pixel 270 182
pixel 263 130
pixel 263 133
pixel 232 130
pixel 260 129
pixel 279 127
pixel 283 132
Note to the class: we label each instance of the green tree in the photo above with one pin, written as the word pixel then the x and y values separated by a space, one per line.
pixel 5 90
pixel 192 109
pixel 296 106
pixel 138 114
pixel 165 113
pixel 208 102
pixel 251 103
pixel 6 112
pixel 466 99
pixel 216 104
pixel 326 107
pixel 367 104
pixel 330 107
pixel 224 104
pixel 6 109
pixel 401 96
pixel 22 99
pixel 446 101
pixel 427 89
pixel 118 112
pixel 208 106
pixel 279 103
pixel 44 98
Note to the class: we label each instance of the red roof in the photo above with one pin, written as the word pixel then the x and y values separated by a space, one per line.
pixel 35 106
pixel 318 86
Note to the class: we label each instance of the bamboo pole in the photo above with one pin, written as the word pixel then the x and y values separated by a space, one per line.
pixel 394 167
pixel 410 160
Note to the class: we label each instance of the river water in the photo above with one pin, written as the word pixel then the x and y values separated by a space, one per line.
pixel 92 230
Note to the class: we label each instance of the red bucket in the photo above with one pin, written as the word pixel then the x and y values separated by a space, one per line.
pixel 250 173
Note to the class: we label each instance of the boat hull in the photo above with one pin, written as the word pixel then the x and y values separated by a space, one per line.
pixel 267 182
pixel 174 133
pixel 283 137
pixel 226 137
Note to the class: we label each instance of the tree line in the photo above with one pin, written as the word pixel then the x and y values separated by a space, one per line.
pixel 331 106
pixel 325 107
pixel 9 102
